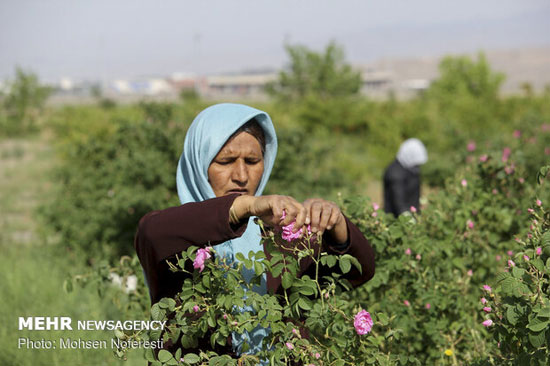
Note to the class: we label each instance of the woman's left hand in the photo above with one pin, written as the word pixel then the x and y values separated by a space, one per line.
pixel 324 216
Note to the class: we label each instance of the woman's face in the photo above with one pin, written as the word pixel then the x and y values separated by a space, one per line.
pixel 238 167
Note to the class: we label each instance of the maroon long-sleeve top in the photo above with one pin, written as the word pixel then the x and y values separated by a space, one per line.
pixel 163 234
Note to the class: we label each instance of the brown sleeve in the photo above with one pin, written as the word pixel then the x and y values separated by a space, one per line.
pixel 165 233
pixel 360 248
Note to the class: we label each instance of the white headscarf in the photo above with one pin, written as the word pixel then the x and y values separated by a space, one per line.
pixel 412 152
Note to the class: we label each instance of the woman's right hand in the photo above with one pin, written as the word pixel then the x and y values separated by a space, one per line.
pixel 270 209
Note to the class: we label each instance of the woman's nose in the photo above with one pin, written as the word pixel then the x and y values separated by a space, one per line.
pixel 240 172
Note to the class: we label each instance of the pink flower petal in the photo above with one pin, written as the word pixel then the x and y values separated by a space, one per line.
pixel 363 322
pixel 487 323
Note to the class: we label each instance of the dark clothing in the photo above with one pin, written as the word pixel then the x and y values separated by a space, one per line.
pixel 163 234
pixel 401 188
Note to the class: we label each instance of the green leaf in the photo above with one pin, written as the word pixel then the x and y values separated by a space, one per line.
pixel 191 358
pixel 512 316
pixel 345 265
pixel 156 312
pixel 277 270
pixel 536 325
pixel 247 263
pixel 119 334
pixel 239 257
pixel 537 339
pixel 383 319
pixel 287 280
pixel 538 264
pixel 509 285
pixel 304 303
pixel 149 355
pixel 544 312
pixel 164 355
pixel 68 285
pixel 331 260
pixel 258 268
pixel 518 272
pixel 172 362
pixel 168 303
pixel 541 174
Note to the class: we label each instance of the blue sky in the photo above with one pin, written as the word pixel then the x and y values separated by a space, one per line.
pixel 100 39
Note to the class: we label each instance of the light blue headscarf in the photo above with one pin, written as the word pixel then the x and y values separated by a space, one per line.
pixel 206 136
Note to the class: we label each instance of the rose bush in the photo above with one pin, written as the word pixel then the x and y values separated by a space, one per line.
pixel 424 301
pixel 518 311
pixel 309 323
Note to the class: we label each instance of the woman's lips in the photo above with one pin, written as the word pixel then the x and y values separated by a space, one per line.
pixel 239 191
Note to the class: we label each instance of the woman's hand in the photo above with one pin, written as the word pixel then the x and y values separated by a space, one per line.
pixel 270 209
pixel 325 215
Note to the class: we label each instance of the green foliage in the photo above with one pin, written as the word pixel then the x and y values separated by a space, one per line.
pixel 22 105
pixel 110 180
pixel 119 164
pixel 519 307
pixel 466 88
pixel 322 75
pixel 221 300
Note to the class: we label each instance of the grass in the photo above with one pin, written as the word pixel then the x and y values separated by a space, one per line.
pixel 32 270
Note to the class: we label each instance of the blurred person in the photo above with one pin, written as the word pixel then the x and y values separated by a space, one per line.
pixel 228 154
pixel 402 178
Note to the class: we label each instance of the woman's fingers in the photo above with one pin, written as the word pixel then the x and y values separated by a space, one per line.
pixel 274 207
pixel 323 215
pixel 294 211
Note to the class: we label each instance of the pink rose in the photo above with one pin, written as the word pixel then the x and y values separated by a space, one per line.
pixel 498 258
pixel 464 182
pixel 317 355
pixel 510 253
pixel 202 256
pixel 428 306
pixel 289 345
pixel 539 202
pixel 408 251
pixel 521 180
pixel 530 210
pixel 487 288
pixel 526 258
pixel 487 323
pixel 287 233
pixel 538 251
pixel 418 257
pixel 483 300
pixel 374 214
pixel 406 303
pixel 196 309
pixel 511 263
pixel 470 273
pixel 506 154
pixel 375 206
pixel 363 322
pixel 470 224
pixel 471 146
pixel 517 134
pixel 483 158
pixel 225 316
pixel 413 209
pixel 487 309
